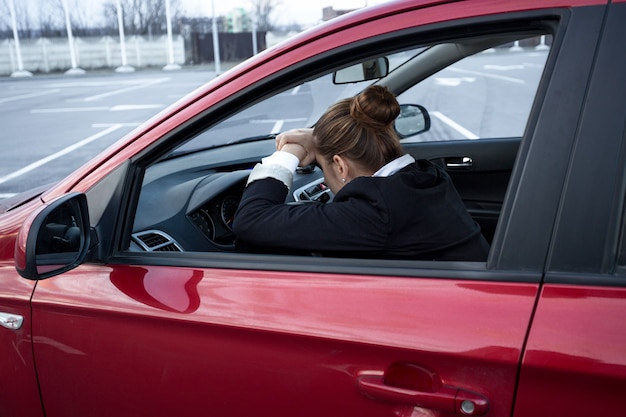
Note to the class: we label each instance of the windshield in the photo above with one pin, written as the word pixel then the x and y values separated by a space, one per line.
pixel 468 93
pixel 298 107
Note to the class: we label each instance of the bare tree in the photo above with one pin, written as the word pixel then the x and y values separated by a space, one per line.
pixel 5 16
pixel 82 17
pixel 263 10
pixel 141 17
pixel 25 26
pixel 47 17
pixel 50 18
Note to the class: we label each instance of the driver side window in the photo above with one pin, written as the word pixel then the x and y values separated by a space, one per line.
pixel 189 196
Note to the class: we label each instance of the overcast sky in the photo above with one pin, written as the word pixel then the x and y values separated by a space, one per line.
pixel 304 12
pixel 288 11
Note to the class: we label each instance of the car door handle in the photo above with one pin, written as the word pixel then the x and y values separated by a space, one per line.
pixel 11 321
pixel 459 162
pixel 416 386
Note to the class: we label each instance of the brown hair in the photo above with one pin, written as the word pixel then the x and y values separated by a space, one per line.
pixel 361 129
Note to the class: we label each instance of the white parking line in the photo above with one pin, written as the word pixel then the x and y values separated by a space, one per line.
pixel 119 107
pixel 278 126
pixel 124 107
pixel 124 90
pixel 94 83
pixel 266 121
pixel 23 96
pixel 485 74
pixel 115 124
pixel 68 110
pixel 58 154
pixel 454 125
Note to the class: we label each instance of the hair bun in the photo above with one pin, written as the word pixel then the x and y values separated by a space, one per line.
pixel 376 106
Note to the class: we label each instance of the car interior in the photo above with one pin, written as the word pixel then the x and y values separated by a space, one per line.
pixel 190 191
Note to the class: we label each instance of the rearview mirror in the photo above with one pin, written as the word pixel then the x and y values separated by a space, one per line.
pixel 372 69
pixel 412 120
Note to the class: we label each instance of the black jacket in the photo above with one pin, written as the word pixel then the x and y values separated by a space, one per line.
pixel 414 214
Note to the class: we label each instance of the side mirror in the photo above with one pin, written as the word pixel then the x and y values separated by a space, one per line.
pixel 365 71
pixel 54 239
pixel 412 120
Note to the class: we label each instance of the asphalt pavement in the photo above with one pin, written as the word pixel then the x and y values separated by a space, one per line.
pixel 53 124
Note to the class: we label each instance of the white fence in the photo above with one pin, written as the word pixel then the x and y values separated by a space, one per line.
pixel 53 54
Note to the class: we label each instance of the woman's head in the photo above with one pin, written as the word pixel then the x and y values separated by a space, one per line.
pixel 360 129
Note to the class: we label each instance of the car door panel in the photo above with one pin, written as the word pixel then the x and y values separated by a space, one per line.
pixel 574 363
pixel 234 343
pixel 18 393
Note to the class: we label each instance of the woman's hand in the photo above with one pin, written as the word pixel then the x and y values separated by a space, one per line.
pixel 297 150
pixel 299 142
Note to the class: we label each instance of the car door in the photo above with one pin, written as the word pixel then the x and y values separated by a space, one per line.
pixel 241 334
pixel 576 348
pixel 172 340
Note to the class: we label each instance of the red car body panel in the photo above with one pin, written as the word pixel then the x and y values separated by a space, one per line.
pixel 246 328
pixel 19 395
pixel 575 359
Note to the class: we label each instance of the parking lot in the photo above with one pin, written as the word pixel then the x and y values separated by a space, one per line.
pixel 53 124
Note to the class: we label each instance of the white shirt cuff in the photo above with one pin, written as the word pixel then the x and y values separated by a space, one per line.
pixel 279 165
pixel 282 158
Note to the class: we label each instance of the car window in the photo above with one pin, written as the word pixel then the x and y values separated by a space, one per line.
pixel 485 95
pixel 296 107
pixel 468 88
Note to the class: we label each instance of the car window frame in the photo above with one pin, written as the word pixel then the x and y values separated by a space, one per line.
pixel 587 235
pixel 554 20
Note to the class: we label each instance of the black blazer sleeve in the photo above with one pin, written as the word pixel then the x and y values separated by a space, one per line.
pixel 358 224
pixel 413 214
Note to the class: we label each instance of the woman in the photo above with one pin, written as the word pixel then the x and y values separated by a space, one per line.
pixel 386 204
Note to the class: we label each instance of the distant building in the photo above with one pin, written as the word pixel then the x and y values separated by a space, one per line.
pixel 238 20
pixel 200 24
pixel 330 13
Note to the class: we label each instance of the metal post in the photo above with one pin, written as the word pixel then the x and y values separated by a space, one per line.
pixel 216 43
pixel 20 64
pixel 255 48
pixel 68 26
pixel 170 47
pixel 120 24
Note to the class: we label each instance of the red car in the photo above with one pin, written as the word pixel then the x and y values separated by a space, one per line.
pixel 122 294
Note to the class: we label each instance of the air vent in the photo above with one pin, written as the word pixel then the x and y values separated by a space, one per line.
pixel 156 241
